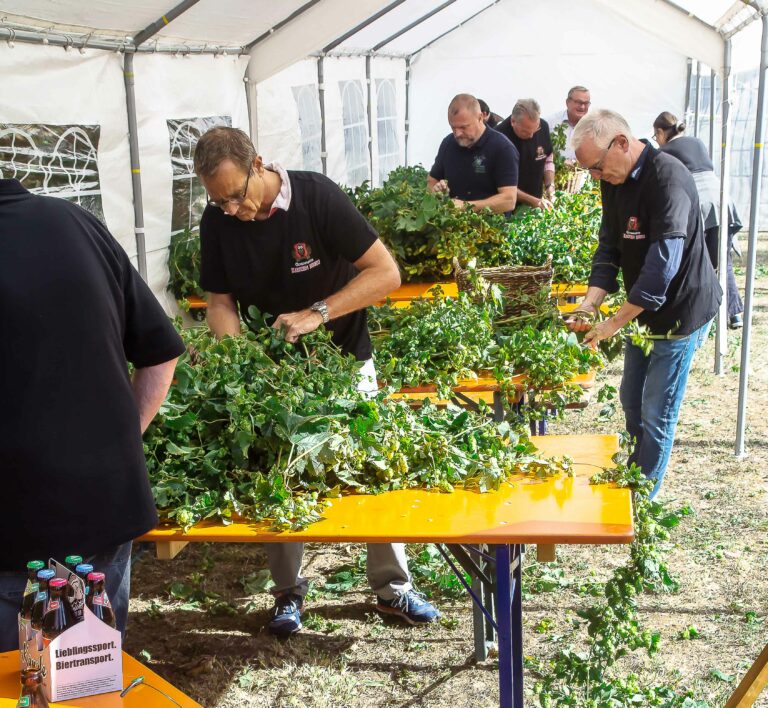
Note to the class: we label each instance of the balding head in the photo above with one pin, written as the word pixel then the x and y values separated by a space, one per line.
pixel 463 102
pixel 465 119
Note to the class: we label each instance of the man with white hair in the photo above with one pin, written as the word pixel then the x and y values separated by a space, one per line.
pixel 576 107
pixel 530 135
pixel 652 232
pixel 475 164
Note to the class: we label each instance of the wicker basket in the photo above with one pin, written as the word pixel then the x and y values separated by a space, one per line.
pixel 520 283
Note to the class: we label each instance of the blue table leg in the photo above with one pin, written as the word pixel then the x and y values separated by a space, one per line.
pixel 510 625
pixel 517 625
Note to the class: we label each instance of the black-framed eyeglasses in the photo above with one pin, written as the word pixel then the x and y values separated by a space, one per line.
pixel 598 166
pixel 581 104
pixel 237 201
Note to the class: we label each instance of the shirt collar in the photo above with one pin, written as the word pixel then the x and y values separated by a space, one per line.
pixel 283 199
pixel 638 168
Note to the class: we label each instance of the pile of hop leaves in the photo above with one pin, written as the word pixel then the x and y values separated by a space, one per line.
pixel 262 429
pixel 434 341
pixel 439 341
pixel 569 233
pixel 184 265
pixel 425 231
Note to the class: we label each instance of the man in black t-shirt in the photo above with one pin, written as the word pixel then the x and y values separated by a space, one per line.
pixel 474 164
pixel 73 312
pixel 530 135
pixel 293 244
pixel 652 232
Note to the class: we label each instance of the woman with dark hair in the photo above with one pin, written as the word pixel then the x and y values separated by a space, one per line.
pixel 669 133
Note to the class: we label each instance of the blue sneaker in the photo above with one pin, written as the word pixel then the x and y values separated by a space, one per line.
pixel 409 606
pixel 286 615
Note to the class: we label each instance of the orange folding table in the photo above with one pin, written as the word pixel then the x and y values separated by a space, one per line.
pixel 564 292
pixel 484 532
pixel 146 694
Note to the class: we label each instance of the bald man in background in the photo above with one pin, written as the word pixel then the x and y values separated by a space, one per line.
pixel 475 164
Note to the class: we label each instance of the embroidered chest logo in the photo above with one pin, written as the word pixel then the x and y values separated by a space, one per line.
pixel 633 230
pixel 302 257
pixel 478 164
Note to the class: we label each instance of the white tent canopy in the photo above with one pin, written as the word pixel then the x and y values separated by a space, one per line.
pixel 109 111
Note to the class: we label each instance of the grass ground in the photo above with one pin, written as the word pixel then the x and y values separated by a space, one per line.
pixel 199 620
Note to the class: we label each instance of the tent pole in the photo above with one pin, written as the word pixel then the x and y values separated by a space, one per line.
pixel 712 88
pixel 696 107
pixel 133 146
pixel 407 104
pixel 688 88
pixel 370 110
pixel 321 97
pixel 754 218
pixel 161 22
pixel 721 338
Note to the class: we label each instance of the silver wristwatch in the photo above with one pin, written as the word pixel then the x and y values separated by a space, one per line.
pixel 321 307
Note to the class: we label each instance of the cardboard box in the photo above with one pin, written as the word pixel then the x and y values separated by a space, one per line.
pixel 84 660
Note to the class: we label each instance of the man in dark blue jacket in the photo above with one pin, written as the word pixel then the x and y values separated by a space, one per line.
pixel 652 232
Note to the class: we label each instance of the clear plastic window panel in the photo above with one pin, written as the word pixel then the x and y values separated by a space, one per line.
pixel 56 160
pixel 310 125
pixel 189 198
pixel 355 132
pixel 386 123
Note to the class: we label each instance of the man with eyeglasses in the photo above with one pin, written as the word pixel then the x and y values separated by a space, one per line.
pixel 576 107
pixel 292 244
pixel 652 232
pixel 530 135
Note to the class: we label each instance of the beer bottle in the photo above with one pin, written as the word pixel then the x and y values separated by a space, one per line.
pixel 82 570
pixel 97 601
pixel 30 592
pixel 72 561
pixel 32 690
pixel 59 616
pixel 41 601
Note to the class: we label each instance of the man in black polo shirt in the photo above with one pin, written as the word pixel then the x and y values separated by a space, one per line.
pixel 651 231
pixel 474 164
pixel 293 245
pixel 530 135
pixel 73 311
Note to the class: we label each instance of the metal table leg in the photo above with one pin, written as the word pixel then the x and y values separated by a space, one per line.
pixel 510 625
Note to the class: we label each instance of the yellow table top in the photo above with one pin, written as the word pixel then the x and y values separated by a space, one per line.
pixel 138 697
pixel 557 510
pixel 411 291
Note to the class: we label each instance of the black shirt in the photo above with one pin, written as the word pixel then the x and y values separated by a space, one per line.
pixel 661 202
pixel 293 259
pixel 72 311
pixel 533 155
pixel 691 152
pixel 476 172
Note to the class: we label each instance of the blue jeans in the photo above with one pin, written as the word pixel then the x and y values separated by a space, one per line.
pixel 652 389
pixel 115 564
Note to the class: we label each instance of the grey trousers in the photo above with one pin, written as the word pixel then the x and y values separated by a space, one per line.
pixel 387 568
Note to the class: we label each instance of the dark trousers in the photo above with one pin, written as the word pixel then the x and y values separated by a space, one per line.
pixel 735 305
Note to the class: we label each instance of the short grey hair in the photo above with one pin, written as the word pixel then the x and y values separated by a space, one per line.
pixel 577 89
pixel 602 126
pixel 526 107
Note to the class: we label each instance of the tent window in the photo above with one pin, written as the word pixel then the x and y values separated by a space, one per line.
pixel 57 160
pixel 386 123
pixel 188 193
pixel 355 132
pixel 310 124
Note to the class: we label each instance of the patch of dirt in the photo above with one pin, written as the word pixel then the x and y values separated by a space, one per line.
pixel 353 658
